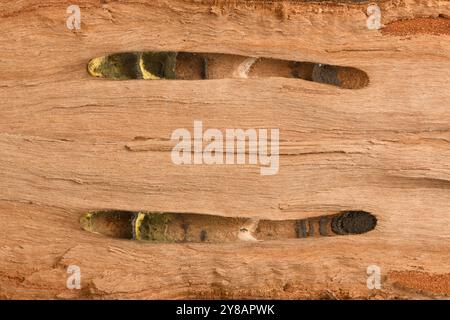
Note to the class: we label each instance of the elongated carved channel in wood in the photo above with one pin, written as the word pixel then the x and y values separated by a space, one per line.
pixel 183 227
pixel 197 66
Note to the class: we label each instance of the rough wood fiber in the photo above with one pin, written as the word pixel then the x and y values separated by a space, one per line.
pixel 71 143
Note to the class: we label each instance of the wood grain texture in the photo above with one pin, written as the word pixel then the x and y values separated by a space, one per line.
pixel 71 143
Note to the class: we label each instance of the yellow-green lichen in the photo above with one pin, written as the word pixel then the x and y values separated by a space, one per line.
pixel 86 221
pixel 153 226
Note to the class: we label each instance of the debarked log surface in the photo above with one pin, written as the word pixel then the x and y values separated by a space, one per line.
pixel 363 116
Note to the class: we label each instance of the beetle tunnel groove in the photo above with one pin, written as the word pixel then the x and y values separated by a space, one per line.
pixel 188 227
pixel 197 66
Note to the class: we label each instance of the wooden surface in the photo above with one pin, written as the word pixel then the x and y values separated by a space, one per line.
pixel 71 143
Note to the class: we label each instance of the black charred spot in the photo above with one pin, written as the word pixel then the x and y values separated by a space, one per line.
pixel 353 222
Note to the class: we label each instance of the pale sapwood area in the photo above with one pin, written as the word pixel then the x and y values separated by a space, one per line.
pixel 71 143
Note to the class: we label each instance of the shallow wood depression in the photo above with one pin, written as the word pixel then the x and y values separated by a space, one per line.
pixel 185 227
pixel 197 66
